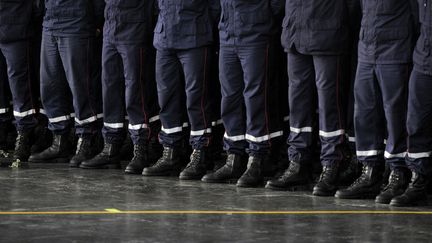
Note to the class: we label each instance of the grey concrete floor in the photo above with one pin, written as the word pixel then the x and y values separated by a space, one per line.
pixel 53 203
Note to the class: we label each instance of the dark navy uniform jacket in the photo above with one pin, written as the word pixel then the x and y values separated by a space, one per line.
pixel 73 17
pixel 247 22
pixel 185 24
pixel 388 31
pixel 128 21
pixel 317 27
pixel 422 52
pixel 16 17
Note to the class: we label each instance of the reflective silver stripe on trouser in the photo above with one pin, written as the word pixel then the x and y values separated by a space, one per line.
pixel 172 130
pixel 24 113
pixel 419 155
pixel 300 130
pixel 114 125
pixel 331 134
pixel 218 122
pixel 137 126
pixel 369 153
pixel 263 138
pixel 352 139
pixel 4 110
pixel 200 132
pixel 88 120
pixel 153 119
pixel 59 119
pixel 234 138
pixel 388 155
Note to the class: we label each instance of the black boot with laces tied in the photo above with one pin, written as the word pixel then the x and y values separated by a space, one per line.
pixel 196 168
pixel 415 194
pixel 22 149
pixel 168 164
pixel 85 151
pixel 296 175
pixel 397 184
pixel 327 183
pixel 367 186
pixel 253 175
pixel 139 160
pixel 232 170
pixel 109 158
pixel 60 151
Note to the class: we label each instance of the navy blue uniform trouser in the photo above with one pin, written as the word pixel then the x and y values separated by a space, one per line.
pixel 380 93
pixel 244 82
pixel 419 123
pixel 310 75
pixel 127 88
pixel 194 65
pixel 69 78
pixel 5 95
pixel 16 56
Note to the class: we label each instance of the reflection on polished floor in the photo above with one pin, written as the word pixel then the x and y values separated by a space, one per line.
pixel 52 203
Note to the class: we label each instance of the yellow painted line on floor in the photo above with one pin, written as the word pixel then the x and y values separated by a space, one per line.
pixel 112 210
pixel 190 212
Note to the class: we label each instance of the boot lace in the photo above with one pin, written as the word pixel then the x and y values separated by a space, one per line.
pixel 361 179
pixel 195 159
pixel 393 181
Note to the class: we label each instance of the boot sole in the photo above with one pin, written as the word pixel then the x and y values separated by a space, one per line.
pixel 381 201
pixel 191 178
pixel 421 203
pixel 321 193
pixel 306 187
pixel 227 181
pixel 132 172
pixel 169 173
pixel 52 161
pixel 245 185
pixel 364 196
pixel 112 166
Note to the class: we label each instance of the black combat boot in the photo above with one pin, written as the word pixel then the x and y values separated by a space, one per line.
pixel 22 150
pixel 139 160
pixel 350 172
pixel 197 167
pixel 3 138
pixel 109 158
pixel 43 139
pixel 232 170
pixel 252 177
pixel 86 149
pixel 60 151
pixel 296 175
pixel 168 164
pixel 327 183
pixel 367 186
pixel 415 194
pixel 397 184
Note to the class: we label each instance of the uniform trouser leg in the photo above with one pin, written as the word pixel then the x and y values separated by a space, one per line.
pixel 138 95
pixel 255 65
pixel 380 96
pixel 419 123
pixel 329 78
pixel 5 95
pixel 307 75
pixel 113 83
pixel 78 58
pixel 233 110
pixel 170 96
pixel 194 63
pixel 302 106
pixel 55 92
pixel 17 56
